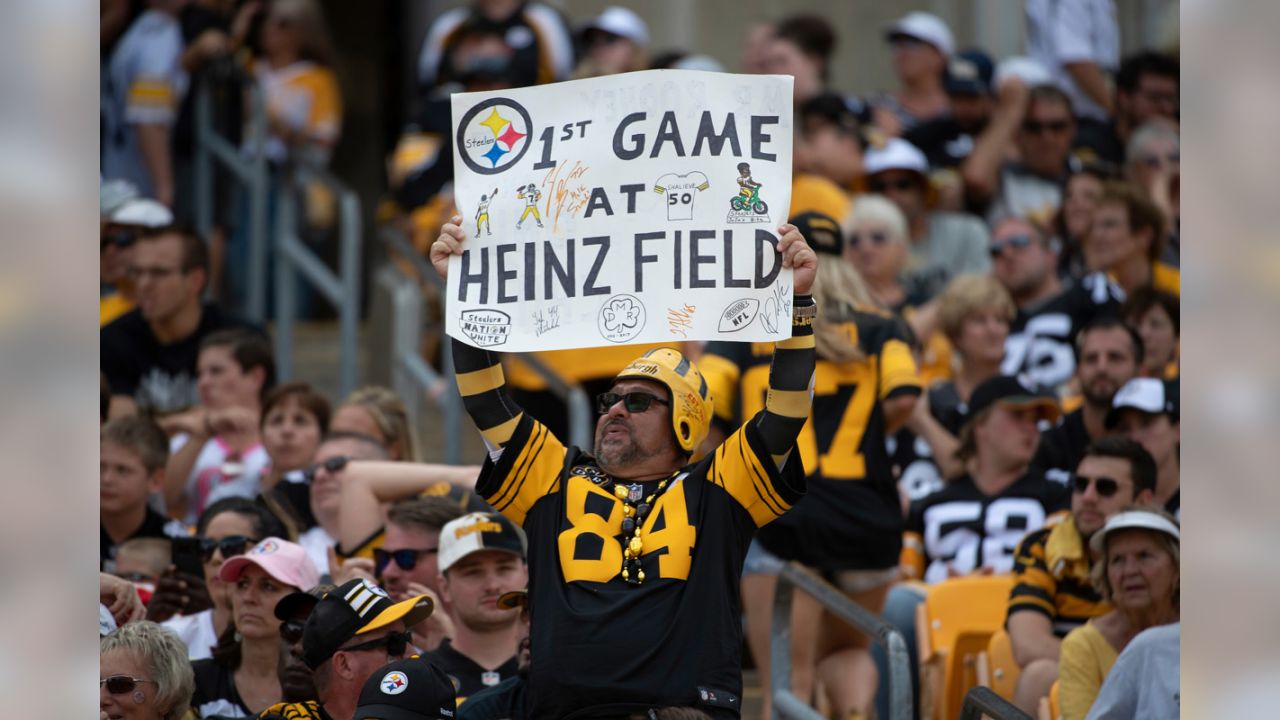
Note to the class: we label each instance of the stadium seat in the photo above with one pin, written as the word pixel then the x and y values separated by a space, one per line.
pixel 954 625
pixel 1000 666
pixel 1050 708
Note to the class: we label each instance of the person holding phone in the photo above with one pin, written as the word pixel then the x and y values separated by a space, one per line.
pixel 190 599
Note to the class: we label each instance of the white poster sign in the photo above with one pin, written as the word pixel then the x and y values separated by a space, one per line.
pixel 632 208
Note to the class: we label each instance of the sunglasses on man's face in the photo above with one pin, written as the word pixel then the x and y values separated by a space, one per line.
pixel 291 631
pixel 1017 242
pixel 121 684
pixel 229 546
pixel 395 643
pixel 333 465
pixel 1035 127
pixel 1154 161
pixel 1105 486
pixel 902 184
pixel 879 239
pixel 634 402
pixel 406 559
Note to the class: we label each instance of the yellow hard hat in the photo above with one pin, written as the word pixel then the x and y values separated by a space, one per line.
pixel 691 402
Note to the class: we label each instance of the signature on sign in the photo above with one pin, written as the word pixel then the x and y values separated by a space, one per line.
pixel 566 195
pixel 680 320
pixel 545 321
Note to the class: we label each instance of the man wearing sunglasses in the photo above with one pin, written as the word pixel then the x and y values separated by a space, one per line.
pixel 1053 593
pixel 352 631
pixel 1039 346
pixel 635 552
pixel 942 244
pixel 1038 123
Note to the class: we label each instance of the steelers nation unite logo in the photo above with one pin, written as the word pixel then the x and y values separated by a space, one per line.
pixel 494 135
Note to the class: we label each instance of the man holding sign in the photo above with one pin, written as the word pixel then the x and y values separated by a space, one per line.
pixel 634 552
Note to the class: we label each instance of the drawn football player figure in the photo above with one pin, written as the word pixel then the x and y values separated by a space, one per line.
pixel 748 197
pixel 638 521
pixel 531 195
pixel 482 212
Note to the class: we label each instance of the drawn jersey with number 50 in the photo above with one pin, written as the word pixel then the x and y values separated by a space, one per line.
pixel 680 192
pixel 850 517
pixel 962 528
pixel 603 643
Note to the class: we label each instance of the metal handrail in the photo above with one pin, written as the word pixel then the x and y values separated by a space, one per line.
pixel 295 260
pixel 411 375
pixel 794 575
pixel 249 169
pixel 984 700
pixel 409 364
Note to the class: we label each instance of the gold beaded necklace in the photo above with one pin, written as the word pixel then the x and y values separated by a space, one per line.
pixel 635 508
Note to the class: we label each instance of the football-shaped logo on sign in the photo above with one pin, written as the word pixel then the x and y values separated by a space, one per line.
pixel 739 314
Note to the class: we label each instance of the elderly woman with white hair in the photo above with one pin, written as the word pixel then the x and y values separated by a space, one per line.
pixel 143 674
pixel 877 247
pixel 1153 163
pixel 1137 572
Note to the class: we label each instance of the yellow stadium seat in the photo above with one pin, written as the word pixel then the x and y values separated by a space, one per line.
pixel 1001 665
pixel 1055 707
pixel 954 626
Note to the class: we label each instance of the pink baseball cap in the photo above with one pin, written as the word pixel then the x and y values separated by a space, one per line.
pixel 285 561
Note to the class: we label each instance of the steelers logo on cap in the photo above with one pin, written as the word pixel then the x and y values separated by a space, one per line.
pixel 394 683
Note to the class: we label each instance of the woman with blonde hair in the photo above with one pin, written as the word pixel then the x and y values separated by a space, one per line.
pixel 1137 572
pixel 143 673
pixel 376 412
pixel 849 524
pixel 877 247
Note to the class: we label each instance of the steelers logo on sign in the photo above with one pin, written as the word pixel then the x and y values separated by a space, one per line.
pixel 494 135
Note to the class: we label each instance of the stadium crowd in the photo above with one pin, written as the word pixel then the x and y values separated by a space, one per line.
pixel 990 381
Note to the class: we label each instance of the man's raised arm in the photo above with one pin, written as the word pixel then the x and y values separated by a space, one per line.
pixel 789 399
pixel 479 372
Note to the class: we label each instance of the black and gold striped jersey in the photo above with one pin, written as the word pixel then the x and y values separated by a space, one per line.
pixel 1051 576
pixel 851 517
pixel 600 642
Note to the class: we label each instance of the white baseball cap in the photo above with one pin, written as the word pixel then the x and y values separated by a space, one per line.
pixel 1149 395
pixel 113 194
pixel 475 532
pixel 923 26
pixel 621 22
pixel 1135 519
pixel 142 212
pixel 1030 71
pixel 897 154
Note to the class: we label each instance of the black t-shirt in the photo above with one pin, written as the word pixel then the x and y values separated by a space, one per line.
pixel 603 647
pixel 962 527
pixel 159 377
pixel 154 525
pixel 1098 142
pixel 943 142
pixel 1041 342
pixel 194 20
pixel 1062 446
pixel 216 695
pixel 468 677
pixel 505 701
